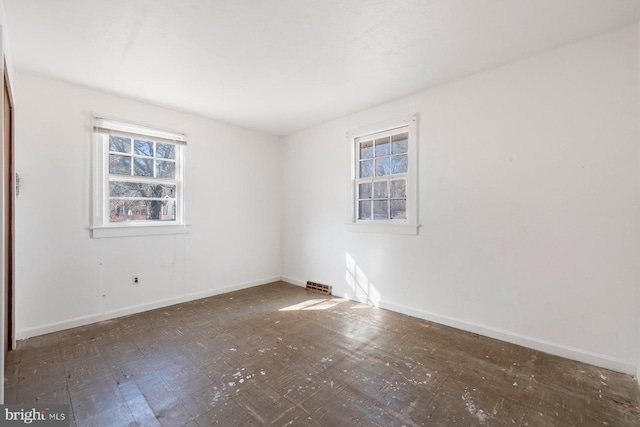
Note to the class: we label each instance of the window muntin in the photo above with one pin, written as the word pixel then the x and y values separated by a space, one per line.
pixel 138 176
pixel 382 176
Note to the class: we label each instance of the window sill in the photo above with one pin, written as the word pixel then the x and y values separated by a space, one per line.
pixel 405 229
pixel 137 230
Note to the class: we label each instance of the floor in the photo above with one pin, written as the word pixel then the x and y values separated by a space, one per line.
pixel 280 355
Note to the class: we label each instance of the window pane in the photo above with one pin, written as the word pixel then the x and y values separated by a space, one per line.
pixel 119 144
pixel 366 168
pixel 400 143
pixel 138 189
pixel 127 189
pixel 142 167
pixel 142 210
pixel 163 190
pixel 380 209
pixel 382 146
pixel 398 209
pixel 127 210
pixel 119 165
pixel 398 188
pixel 143 148
pixel 165 169
pixel 382 166
pixel 366 150
pixel 399 164
pixel 380 190
pixel 168 210
pixel 364 190
pixel 166 151
pixel 364 209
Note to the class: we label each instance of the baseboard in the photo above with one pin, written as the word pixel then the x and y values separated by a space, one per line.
pixel 113 314
pixel 561 350
pixel 293 281
pixel 236 287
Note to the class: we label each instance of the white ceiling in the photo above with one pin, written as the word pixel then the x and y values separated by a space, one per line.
pixel 279 66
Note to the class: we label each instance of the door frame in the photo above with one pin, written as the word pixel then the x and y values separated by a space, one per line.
pixel 6 270
pixel 9 269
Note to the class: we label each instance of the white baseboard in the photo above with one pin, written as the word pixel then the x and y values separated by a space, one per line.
pixel 236 287
pixel 113 314
pixel 293 281
pixel 561 350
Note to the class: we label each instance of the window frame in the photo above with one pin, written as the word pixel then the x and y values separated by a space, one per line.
pixel 101 226
pixel 386 226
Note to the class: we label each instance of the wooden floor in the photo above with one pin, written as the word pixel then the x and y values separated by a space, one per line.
pixel 280 355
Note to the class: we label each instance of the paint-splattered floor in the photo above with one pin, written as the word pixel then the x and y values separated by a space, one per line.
pixel 278 355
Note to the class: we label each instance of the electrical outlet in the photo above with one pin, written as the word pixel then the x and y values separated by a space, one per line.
pixel 136 280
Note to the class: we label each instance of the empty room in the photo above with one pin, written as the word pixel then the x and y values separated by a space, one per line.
pixel 320 213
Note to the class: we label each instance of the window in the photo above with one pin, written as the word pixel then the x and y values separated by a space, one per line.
pixel 382 175
pixel 138 180
pixel 384 178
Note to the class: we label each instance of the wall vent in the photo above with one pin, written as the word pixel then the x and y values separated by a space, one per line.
pixel 317 287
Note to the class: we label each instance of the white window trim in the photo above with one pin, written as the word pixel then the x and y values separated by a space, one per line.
pixel 410 225
pixel 100 225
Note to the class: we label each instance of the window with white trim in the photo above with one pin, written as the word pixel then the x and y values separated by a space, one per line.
pixel 384 178
pixel 138 179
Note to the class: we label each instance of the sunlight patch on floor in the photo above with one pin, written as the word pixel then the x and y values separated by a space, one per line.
pixel 315 304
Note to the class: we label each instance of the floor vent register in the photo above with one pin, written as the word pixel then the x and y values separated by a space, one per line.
pixel 319 288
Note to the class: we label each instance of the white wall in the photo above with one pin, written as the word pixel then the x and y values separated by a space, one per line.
pixel 65 278
pixel 529 205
